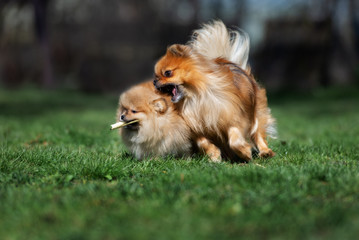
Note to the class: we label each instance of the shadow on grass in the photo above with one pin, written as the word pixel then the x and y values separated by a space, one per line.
pixel 320 103
pixel 318 95
pixel 32 103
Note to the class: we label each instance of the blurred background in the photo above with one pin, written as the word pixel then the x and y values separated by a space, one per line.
pixel 107 46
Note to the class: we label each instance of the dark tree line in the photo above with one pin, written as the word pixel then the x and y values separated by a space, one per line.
pixel 98 46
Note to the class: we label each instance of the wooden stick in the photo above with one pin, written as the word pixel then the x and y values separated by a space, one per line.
pixel 122 124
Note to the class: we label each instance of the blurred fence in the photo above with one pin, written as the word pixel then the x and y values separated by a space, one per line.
pixel 109 45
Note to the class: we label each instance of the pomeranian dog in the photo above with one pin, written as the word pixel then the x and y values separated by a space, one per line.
pixel 211 85
pixel 161 130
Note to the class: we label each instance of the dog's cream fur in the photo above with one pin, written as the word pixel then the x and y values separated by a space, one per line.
pixel 161 130
pixel 215 41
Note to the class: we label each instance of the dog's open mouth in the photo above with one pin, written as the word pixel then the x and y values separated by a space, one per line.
pixel 176 91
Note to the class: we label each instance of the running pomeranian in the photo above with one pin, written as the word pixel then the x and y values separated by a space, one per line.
pixel 212 87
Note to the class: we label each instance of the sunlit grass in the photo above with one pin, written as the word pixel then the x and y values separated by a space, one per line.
pixel 64 175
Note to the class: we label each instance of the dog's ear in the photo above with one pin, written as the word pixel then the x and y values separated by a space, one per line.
pixel 179 50
pixel 160 105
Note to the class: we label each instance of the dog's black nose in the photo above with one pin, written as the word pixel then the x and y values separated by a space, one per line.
pixel 155 81
pixel 122 117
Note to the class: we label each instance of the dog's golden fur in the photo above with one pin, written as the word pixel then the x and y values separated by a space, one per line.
pixel 161 130
pixel 212 86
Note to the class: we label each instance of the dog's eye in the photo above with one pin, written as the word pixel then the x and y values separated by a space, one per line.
pixel 133 111
pixel 168 73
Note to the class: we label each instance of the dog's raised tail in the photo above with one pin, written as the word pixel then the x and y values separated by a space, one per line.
pixel 214 40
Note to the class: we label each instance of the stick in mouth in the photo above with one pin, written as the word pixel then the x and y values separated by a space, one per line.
pixel 122 124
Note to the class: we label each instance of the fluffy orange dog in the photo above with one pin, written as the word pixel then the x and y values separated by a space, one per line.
pixel 209 81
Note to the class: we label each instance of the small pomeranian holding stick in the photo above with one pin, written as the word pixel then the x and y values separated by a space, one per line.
pixel 212 87
pixel 150 125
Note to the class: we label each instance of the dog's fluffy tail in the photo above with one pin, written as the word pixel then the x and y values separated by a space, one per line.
pixel 271 128
pixel 214 40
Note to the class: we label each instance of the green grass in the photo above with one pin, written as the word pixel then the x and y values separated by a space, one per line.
pixel 64 175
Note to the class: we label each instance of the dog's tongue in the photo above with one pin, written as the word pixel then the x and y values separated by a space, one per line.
pixel 174 91
pixel 177 96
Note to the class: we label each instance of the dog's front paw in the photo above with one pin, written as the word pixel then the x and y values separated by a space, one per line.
pixel 215 155
pixel 268 153
pixel 245 152
pixel 209 149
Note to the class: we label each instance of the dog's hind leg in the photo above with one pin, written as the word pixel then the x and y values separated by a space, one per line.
pixel 264 123
pixel 258 136
pixel 238 144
